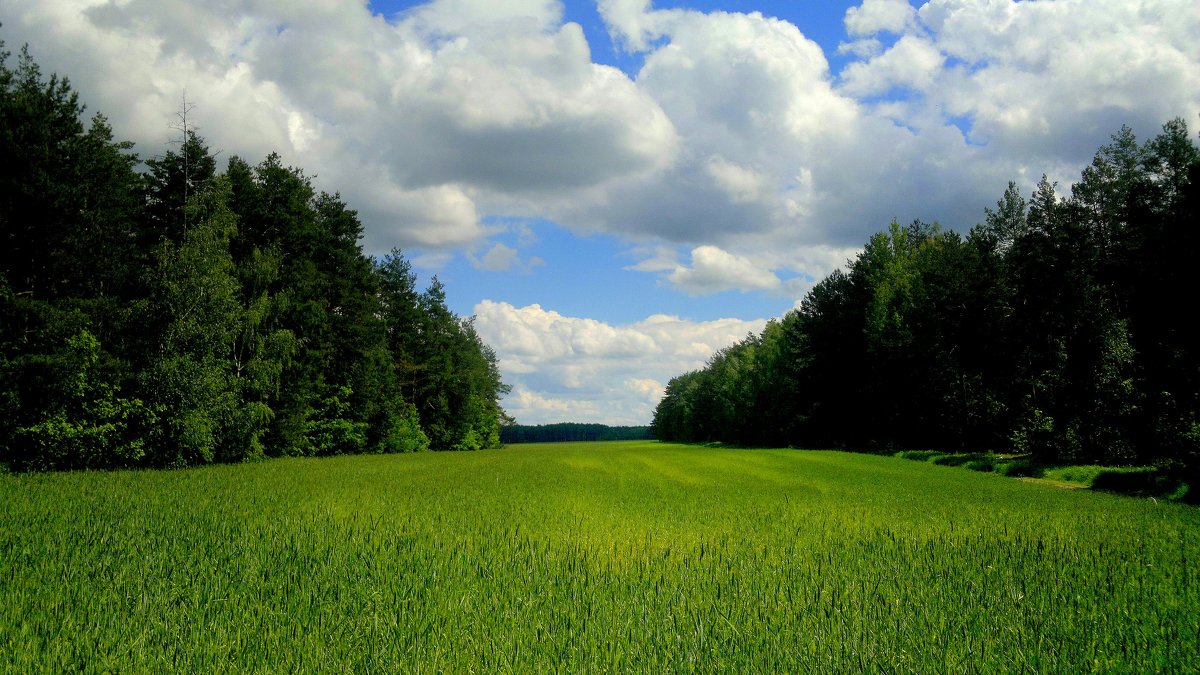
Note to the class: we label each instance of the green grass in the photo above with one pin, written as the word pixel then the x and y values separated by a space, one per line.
pixel 1141 481
pixel 628 556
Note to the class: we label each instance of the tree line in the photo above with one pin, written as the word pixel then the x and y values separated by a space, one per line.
pixel 1057 327
pixel 571 431
pixel 165 313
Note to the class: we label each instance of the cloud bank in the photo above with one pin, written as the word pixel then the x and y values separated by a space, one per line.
pixel 733 134
pixel 565 368
pixel 734 145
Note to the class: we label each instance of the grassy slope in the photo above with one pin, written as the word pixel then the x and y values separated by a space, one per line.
pixel 590 556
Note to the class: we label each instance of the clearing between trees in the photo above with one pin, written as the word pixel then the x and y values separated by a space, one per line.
pixel 635 555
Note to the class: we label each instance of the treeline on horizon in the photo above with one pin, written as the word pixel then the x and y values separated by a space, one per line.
pixel 179 315
pixel 572 431
pixel 1063 327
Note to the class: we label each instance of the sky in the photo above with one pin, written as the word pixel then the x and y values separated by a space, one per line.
pixel 616 189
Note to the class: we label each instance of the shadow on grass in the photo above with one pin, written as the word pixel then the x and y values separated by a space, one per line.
pixel 1131 481
pixel 1145 483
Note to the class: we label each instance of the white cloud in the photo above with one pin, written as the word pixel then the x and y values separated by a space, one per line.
pixel 652 390
pixel 423 123
pixel 734 142
pixel 734 133
pixel 865 48
pixel 1042 84
pixel 753 106
pixel 631 23
pixel 498 259
pixel 714 270
pixel 566 368
pixel 875 16
pixel 431 261
pixel 659 258
pixel 776 161
pixel 502 258
pixel 741 184
pixel 913 62
pixel 523 404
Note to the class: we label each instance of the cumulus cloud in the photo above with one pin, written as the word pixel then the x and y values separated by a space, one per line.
pixel 874 16
pixel 502 258
pixel 423 122
pixel 524 404
pixel 778 159
pixel 498 259
pixel 1040 84
pixel 565 368
pixel 652 390
pixel 741 184
pixel 914 62
pixel 733 134
pixel 733 159
pixel 945 102
pixel 714 270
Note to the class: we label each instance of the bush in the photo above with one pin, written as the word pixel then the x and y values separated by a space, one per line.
pixel 88 424
pixel 1142 482
pixel 402 431
pixel 981 465
pixel 919 455
pixel 332 431
pixel 1020 468
pixel 1081 474
pixel 966 458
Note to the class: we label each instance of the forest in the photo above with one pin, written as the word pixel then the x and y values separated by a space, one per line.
pixel 566 432
pixel 1058 328
pixel 165 313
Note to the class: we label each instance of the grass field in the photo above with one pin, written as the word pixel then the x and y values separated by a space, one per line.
pixel 590 557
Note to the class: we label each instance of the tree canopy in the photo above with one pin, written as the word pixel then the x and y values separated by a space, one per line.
pixel 564 432
pixel 166 313
pixel 1057 327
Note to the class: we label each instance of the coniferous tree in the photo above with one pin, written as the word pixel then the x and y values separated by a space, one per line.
pixel 190 372
pixel 171 183
pixel 68 204
pixel 1052 329
pixel 185 316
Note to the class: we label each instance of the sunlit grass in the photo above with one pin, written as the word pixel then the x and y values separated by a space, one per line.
pixel 590 557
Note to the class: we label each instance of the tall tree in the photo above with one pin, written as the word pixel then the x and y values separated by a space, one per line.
pixel 195 306
pixel 173 180
pixel 69 201
pixel 181 316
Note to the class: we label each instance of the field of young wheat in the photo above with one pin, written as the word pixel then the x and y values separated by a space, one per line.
pixel 633 556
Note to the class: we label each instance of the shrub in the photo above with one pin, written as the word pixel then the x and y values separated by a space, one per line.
pixel 981 465
pixel 1140 481
pixel 332 431
pixel 919 455
pixel 1020 468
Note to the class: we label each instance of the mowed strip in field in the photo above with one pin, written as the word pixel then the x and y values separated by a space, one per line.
pixel 630 556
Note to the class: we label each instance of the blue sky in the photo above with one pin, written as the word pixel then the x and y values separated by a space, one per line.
pixel 588 275
pixel 819 20
pixel 616 189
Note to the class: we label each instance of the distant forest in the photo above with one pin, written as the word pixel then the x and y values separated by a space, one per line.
pixel 164 313
pixel 571 431
pixel 1059 327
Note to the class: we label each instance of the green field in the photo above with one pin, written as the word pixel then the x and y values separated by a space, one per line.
pixel 589 557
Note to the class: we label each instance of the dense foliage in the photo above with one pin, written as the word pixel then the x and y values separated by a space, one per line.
pixel 595 558
pixel 570 432
pixel 178 315
pixel 1057 327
